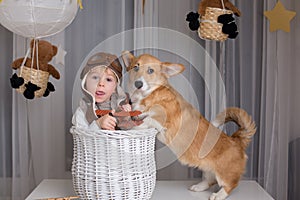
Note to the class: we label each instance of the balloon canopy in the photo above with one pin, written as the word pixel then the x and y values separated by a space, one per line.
pixel 37 18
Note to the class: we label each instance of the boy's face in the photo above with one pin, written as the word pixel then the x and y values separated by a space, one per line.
pixel 101 82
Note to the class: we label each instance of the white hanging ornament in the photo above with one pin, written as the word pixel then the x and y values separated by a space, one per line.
pixel 37 18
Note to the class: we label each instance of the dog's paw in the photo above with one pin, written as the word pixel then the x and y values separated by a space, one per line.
pixel 220 195
pixel 200 186
pixel 141 116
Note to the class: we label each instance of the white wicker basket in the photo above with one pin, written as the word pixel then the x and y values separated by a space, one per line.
pixel 114 164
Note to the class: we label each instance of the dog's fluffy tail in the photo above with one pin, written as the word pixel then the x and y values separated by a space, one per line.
pixel 242 119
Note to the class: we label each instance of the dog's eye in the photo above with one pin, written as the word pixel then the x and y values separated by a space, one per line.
pixel 136 68
pixel 150 71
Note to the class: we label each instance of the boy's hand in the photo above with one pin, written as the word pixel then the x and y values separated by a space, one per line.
pixel 107 122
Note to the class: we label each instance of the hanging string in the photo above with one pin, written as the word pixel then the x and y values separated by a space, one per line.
pixel 222 53
pixel 32 59
pixel 37 60
pixel 222 70
pixel 143 6
pixel 222 60
pixel 79 2
pixel 29 136
pixel 275 106
pixel 24 60
pixel 223 4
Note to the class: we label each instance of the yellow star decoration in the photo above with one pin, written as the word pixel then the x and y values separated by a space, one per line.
pixel 280 18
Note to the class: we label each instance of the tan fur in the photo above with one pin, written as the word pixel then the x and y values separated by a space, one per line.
pixel 183 129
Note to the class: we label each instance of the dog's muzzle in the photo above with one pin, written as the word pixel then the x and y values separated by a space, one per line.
pixel 138 84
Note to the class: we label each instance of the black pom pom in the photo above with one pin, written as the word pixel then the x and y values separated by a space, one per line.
pixel 194 25
pixel 50 88
pixel 16 81
pixel 192 16
pixel 30 89
pixel 229 28
pixel 225 19
pixel 193 19
pixel 233 35
pixel 47 92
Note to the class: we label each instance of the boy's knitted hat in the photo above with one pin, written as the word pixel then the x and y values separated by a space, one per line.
pixel 103 59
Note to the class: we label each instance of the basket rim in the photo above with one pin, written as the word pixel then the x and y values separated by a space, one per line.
pixel 219 9
pixel 33 69
pixel 117 134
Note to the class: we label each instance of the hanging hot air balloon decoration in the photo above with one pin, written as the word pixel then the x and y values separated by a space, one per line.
pixel 36 19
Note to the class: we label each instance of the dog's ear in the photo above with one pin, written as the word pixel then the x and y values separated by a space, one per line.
pixel 171 69
pixel 127 58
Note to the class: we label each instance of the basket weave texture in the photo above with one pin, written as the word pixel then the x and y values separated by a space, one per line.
pixel 209 27
pixel 114 164
pixel 38 77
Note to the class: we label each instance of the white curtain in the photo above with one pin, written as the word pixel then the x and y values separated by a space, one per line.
pixel 6 39
pixel 38 131
pixel 259 69
pixel 279 103
pixel 96 23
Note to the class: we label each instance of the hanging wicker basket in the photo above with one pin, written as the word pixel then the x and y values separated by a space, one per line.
pixel 37 77
pixel 115 165
pixel 209 28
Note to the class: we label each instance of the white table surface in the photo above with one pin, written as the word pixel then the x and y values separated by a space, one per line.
pixel 174 190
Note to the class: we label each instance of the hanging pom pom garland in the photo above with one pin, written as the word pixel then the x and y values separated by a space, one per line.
pixel 214 20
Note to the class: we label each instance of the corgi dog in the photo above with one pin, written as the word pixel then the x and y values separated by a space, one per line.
pixel 183 129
